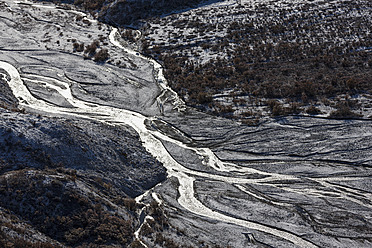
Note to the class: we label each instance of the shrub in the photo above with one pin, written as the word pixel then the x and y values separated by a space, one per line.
pixel 251 122
pixel 224 109
pixel 130 204
pixel 343 112
pixel 128 34
pixel 78 47
pixel 91 49
pixel 101 55
pixel 146 230
pixel 312 110
pixel 276 108
pixel 294 108
pixel 136 244
pixel 203 98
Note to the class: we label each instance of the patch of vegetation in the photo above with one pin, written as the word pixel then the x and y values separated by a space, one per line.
pixel 91 49
pixel 343 111
pixel 55 206
pixel 90 5
pixel 312 110
pixel 154 228
pixel 101 56
pixel 78 47
pixel 123 13
pixel 7 241
pixel 301 54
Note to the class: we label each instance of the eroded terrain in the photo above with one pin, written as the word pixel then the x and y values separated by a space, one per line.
pixel 290 182
pixel 266 57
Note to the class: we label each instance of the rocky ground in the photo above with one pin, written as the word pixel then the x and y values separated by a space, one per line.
pixel 96 152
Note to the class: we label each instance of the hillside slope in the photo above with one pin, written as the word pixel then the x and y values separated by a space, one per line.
pixel 264 58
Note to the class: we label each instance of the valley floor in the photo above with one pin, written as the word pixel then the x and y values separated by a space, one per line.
pixel 97 153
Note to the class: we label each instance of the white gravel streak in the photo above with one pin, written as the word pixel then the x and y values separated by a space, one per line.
pixel 152 142
pixel 152 145
pixel 159 76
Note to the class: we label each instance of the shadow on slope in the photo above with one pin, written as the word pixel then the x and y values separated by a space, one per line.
pixel 94 150
pixel 67 182
pixel 123 13
pixel 133 12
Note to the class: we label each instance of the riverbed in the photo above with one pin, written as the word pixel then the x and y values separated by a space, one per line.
pixel 290 182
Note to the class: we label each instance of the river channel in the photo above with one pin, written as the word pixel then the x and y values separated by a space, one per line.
pixel 290 182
